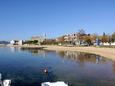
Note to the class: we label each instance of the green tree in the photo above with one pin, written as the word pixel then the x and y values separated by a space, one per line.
pixel 35 42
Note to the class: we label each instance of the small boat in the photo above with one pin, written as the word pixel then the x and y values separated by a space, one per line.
pixel 58 83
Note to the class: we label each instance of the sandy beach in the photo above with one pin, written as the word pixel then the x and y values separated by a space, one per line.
pixel 105 52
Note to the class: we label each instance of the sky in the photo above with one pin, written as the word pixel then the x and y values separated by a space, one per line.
pixel 21 19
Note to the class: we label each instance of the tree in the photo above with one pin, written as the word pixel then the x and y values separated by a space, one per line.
pixel 29 42
pixel 87 39
pixel 113 37
pixel 81 32
pixel 105 39
pixel 104 34
pixel 49 42
pixel 93 37
pixel 35 42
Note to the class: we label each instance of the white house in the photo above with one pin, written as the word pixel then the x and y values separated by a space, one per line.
pixel 20 42
pixel 16 42
pixel 12 42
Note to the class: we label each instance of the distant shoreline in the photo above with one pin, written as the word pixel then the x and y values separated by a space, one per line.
pixel 105 52
pixel 2 45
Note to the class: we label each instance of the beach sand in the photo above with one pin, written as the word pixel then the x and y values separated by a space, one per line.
pixel 105 52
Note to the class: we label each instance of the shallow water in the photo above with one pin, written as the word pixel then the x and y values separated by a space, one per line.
pixel 25 67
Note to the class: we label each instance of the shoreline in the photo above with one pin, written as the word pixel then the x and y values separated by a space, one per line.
pixel 105 52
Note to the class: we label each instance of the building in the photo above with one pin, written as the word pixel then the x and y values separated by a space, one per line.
pixel 70 39
pixel 16 42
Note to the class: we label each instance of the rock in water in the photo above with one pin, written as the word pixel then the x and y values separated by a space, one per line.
pixel 59 83
pixel 45 71
pixel 6 82
pixel 0 76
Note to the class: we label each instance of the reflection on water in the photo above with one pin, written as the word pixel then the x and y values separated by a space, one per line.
pixel 74 68
pixel 81 57
pixel 35 51
pixel 14 49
